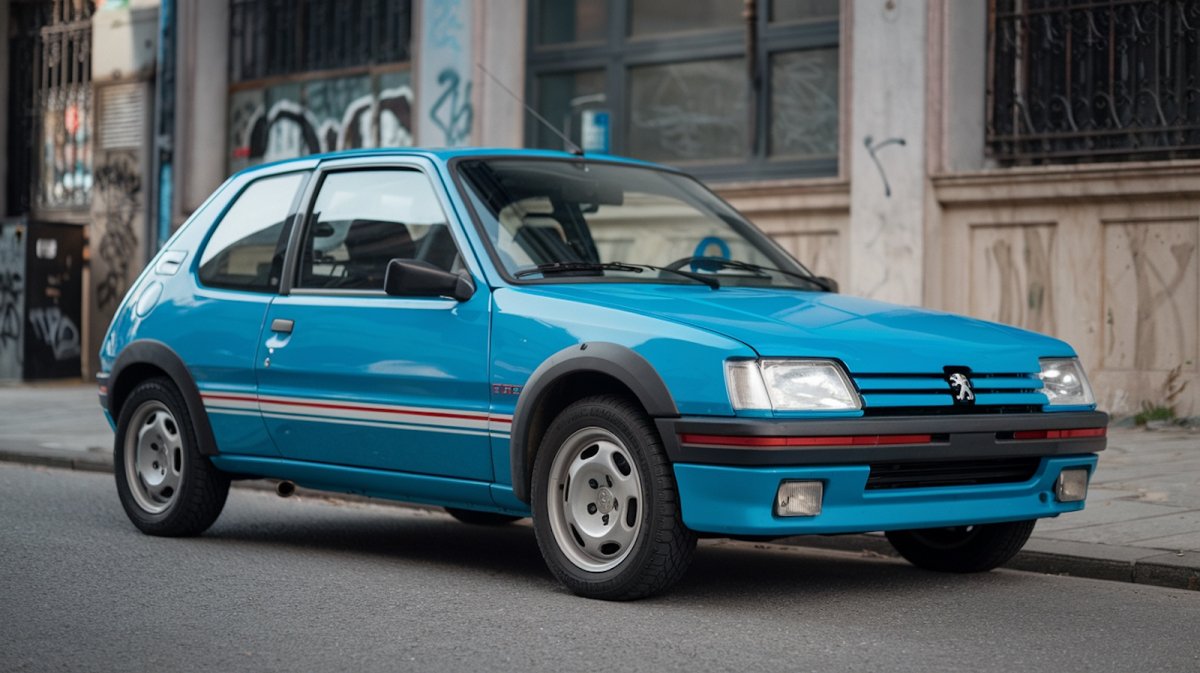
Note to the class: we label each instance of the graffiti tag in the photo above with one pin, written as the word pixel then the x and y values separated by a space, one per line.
pixel 56 330
pixel 119 186
pixel 452 111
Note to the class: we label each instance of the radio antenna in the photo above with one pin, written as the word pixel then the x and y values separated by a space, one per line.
pixel 571 146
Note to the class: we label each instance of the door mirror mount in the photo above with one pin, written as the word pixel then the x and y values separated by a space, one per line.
pixel 417 278
pixel 830 284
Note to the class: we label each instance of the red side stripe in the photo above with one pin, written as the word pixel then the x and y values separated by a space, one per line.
pixel 352 407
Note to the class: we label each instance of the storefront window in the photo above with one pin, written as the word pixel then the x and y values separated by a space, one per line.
pixel 804 104
pixel 564 97
pixel 649 17
pixel 726 89
pixel 694 111
pixel 571 21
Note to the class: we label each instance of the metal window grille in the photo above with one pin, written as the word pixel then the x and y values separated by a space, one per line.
pixel 64 100
pixel 1093 80
pixel 271 38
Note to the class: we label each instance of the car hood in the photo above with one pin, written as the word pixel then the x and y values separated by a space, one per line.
pixel 868 336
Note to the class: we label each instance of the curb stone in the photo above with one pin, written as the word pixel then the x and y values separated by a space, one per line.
pixel 1138 565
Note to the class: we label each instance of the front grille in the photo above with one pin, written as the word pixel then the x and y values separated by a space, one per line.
pixel 951 473
pixel 919 394
pixel 951 410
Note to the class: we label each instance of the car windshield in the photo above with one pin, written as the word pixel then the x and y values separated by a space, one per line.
pixel 590 221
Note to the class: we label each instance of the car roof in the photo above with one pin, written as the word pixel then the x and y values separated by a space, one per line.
pixel 444 155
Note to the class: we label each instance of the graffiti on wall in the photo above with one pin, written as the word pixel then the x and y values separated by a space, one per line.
pixel 1012 274
pixel 12 296
pixel 446 114
pixel 119 193
pixel 1150 286
pixel 55 329
pixel 298 118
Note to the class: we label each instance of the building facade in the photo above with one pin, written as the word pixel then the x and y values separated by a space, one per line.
pixel 1032 162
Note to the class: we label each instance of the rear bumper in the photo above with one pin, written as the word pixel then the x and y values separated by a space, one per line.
pixel 728 470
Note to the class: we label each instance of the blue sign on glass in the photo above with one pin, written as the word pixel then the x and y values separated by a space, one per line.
pixel 595 131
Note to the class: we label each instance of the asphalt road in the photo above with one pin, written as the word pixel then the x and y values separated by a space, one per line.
pixel 309 584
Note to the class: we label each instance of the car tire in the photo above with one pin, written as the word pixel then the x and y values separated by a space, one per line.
pixel 166 487
pixel 964 549
pixel 605 504
pixel 476 518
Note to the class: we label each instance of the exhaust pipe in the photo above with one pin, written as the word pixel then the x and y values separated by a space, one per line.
pixel 285 489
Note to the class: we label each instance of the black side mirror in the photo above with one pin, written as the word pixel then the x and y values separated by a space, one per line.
pixel 416 278
pixel 830 284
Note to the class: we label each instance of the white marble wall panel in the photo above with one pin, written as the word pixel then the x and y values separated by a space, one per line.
pixel 1012 275
pixel 1151 286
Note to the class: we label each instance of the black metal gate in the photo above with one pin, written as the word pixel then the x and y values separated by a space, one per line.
pixel 26 19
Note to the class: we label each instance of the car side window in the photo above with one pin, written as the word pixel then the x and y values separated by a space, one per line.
pixel 363 219
pixel 246 250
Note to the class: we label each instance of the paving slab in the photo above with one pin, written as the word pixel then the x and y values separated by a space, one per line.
pixel 1107 511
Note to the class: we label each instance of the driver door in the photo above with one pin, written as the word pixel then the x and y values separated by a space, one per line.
pixel 349 375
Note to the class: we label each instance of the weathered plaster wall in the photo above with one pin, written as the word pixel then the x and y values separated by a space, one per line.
pixel 887 150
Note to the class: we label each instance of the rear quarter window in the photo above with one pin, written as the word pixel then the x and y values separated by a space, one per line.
pixel 245 251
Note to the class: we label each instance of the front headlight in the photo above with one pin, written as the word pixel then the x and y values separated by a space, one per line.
pixel 789 385
pixel 1064 382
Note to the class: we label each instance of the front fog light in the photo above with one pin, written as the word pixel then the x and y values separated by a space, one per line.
pixel 1071 485
pixel 799 498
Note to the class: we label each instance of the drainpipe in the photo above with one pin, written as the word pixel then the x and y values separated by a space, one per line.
pixel 164 129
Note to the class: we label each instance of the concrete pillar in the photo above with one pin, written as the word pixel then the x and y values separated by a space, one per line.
pixel 962 89
pixel 445 72
pixel 887 150
pixel 202 102
pixel 500 44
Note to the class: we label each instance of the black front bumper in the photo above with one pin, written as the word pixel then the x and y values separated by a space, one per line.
pixel 762 441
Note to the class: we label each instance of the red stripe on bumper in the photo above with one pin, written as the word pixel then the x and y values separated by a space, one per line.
pixel 852 440
pixel 1060 434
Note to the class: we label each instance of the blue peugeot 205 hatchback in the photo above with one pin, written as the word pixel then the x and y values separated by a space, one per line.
pixel 600 344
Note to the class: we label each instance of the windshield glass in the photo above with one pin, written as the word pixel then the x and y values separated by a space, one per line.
pixel 548 219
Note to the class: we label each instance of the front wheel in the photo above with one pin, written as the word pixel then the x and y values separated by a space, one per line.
pixel 962 549
pixel 166 487
pixel 605 504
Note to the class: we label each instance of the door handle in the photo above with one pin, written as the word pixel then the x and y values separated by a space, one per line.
pixel 282 325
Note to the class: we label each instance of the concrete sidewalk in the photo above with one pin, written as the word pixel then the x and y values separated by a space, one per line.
pixel 1141 524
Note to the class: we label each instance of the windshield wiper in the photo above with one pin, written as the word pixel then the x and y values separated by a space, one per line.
pixel 723 263
pixel 698 277
pixel 567 267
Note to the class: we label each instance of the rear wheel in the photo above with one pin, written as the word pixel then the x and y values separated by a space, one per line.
pixel 962 549
pixel 605 504
pixel 166 487
pixel 481 518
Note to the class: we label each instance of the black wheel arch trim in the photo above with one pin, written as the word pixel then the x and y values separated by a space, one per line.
pixel 160 355
pixel 614 360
